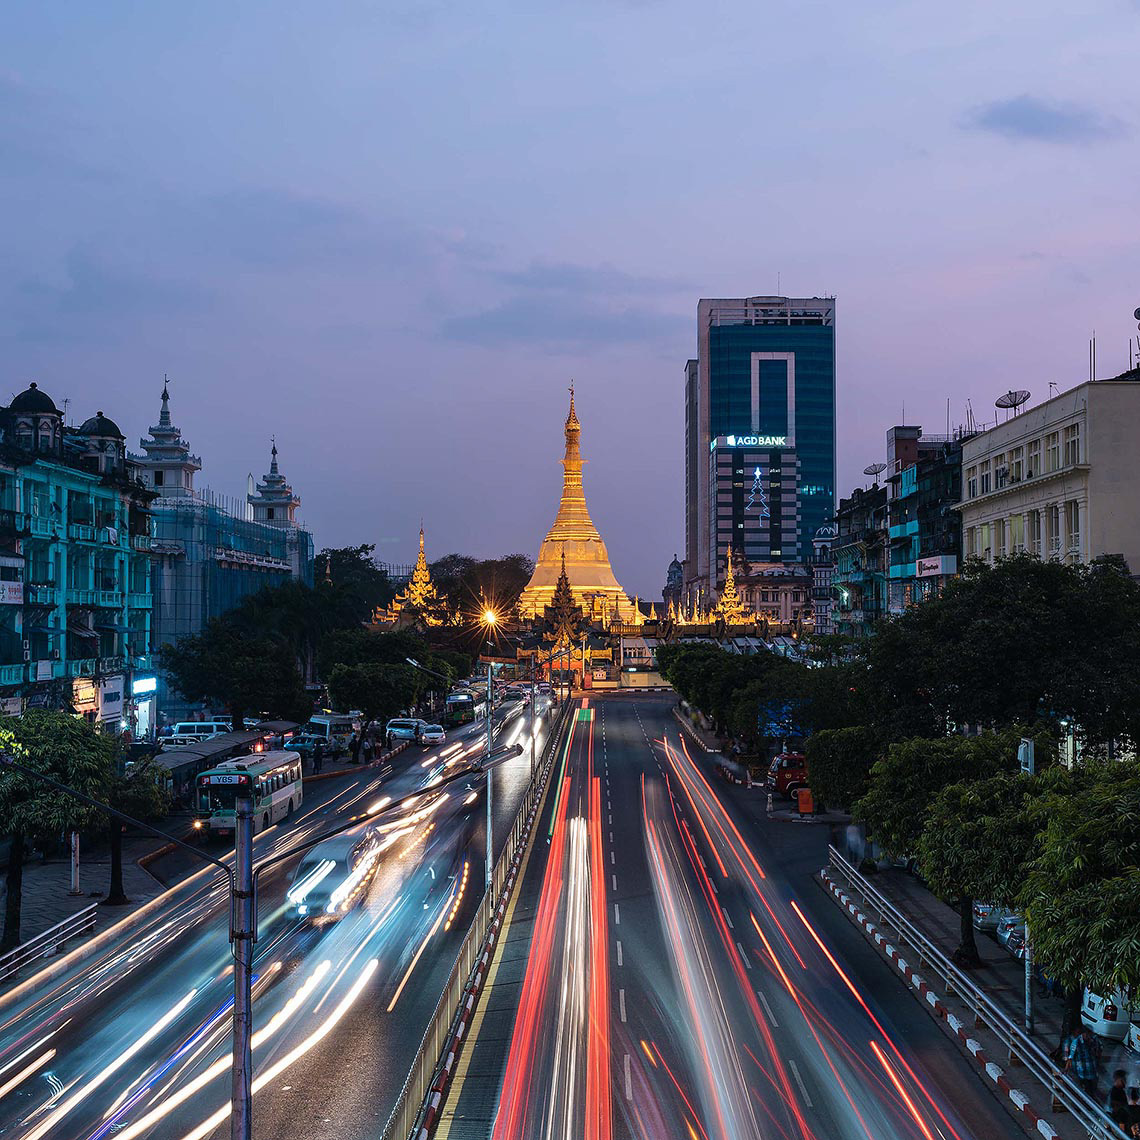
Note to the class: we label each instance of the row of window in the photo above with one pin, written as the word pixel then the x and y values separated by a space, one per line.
pixel 1059 449
pixel 1050 533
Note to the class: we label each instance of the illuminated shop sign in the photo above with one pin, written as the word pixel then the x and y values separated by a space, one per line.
pixel 756 441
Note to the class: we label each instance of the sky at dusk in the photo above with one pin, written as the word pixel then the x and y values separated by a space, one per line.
pixel 390 233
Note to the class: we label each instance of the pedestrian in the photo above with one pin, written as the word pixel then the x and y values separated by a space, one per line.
pixel 318 757
pixel 354 748
pixel 366 748
pixel 390 740
pixel 1134 1109
pixel 1118 1098
pixel 1084 1060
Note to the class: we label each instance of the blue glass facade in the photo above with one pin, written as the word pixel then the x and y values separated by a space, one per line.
pixel 730 404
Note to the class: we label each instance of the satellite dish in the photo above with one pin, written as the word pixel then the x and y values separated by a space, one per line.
pixel 1136 314
pixel 874 468
pixel 1012 399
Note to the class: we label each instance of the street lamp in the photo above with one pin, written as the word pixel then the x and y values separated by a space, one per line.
pixel 490 618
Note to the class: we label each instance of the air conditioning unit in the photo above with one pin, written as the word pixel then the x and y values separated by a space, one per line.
pixel 27 653
pixel 55 654
pixel 27 646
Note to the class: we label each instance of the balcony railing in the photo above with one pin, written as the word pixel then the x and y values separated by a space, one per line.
pixel 110 599
pixel 140 541
pixel 112 664
pixel 81 597
pixel 40 594
pixel 143 662
pixel 12 524
pixel 12 674
pixel 82 667
pixel 81 532
pixel 42 528
pixel 140 601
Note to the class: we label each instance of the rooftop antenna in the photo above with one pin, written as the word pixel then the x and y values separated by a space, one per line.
pixel 1052 385
pixel 1011 401
pixel 971 424
pixel 67 399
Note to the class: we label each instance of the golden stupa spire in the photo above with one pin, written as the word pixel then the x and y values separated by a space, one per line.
pixel 729 606
pixel 420 594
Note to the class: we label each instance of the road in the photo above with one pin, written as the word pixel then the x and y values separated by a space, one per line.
pixel 685 978
pixel 135 1042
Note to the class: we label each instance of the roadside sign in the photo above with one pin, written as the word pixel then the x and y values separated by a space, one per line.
pixel 226 778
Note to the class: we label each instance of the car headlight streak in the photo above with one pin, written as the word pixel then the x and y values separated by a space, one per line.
pixel 298 892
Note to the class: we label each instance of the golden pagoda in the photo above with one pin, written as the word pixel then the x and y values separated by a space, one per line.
pixel 575 538
pixel 729 606
pixel 419 598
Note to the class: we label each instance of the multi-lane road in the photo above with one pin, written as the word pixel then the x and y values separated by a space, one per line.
pixel 134 1041
pixel 671 971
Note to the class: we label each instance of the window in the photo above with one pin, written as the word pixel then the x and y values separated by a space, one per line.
pixel 269 513
pixel 1033 458
pixel 999 471
pixel 158 478
pixel 984 547
pixel 1052 451
pixel 1072 445
pixel 999 539
pixel 1053 528
pixel 1017 533
pixel 1016 464
pixel 1073 527
pixel 971 541
pixel 972 483
pixel 984 476
pixel 1033 528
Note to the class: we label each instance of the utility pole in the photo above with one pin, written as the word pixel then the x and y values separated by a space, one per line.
pixel 241 937
pixel 533 713
pixel 490 719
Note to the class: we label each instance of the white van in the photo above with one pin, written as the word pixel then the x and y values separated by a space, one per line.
pixel 191 731
pixel 336 729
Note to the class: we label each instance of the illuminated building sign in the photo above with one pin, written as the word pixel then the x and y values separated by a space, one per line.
pixel 756 441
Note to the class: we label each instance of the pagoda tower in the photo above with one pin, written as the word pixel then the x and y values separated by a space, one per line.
pixel 419 599
pixel 573 537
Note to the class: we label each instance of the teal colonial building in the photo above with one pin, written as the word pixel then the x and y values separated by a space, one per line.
pixel 75 586
pixel 209 552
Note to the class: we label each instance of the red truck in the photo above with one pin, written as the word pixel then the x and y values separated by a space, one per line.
pixel 787 773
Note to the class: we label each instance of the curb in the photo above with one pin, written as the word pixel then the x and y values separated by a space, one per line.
pixel 693 736
pixel 993 1071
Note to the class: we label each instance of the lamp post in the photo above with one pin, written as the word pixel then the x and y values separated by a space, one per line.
pixel 489 619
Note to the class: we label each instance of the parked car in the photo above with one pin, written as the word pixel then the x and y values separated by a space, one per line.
pixel 787 773
pixel 1132 1041
pixel 405 728
pixel 432 734
pixel 1009 924
pixel 1015 942
pixel 1108 1016
pixel 988 915
pixel 304 743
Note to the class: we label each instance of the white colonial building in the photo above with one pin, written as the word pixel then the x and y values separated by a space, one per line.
pixel 1059 480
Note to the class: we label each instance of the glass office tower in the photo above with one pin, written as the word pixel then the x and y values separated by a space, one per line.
pixel 765 370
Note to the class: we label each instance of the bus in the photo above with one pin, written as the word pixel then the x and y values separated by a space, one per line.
pixel 463 707
pixel 277 791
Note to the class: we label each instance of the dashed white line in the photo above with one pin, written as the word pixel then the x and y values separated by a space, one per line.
pixel 614 878
pixel 767 1009
pixel 799 1081
pixel 612 859
pixel 617 918
pixel 621 1003
pixel 628 1080
pixel 727 919
pixel 619 953
pixel 743 955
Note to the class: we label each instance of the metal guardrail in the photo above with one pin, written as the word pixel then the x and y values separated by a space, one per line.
pixel 426 1063
pixel 49 942
pixel 1022 1049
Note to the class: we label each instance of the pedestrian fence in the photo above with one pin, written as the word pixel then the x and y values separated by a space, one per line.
pixel 49 942
pixel 1021 1049
pixel 455 1001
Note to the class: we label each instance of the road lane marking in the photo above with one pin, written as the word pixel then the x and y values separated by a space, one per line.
pixel 609 819
pixel 744 956
pixel 767 1009
pixel 617 918
pixel 799 1081
pixel 628 1080
pixel 614 878
pixel 612 859
pixel 619 952
pixel 727 919
pixel 621 1003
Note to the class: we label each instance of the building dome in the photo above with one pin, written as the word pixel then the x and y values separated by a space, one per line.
pixel 32 401
pixel 827 531
pixel 100 425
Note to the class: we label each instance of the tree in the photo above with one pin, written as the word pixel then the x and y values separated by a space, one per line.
pixel 1081 896
pixel 71 752
pixel 839 763
pixel 378 691
pixel 224 665
pixel 904 784
pixel 353 573
pixel 467 585
pixel 137 789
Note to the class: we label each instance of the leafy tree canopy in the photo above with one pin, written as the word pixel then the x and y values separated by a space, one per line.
pixel 839 762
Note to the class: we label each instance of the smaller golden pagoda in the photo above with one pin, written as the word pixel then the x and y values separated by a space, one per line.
pixel 729 606
pixel 418 600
